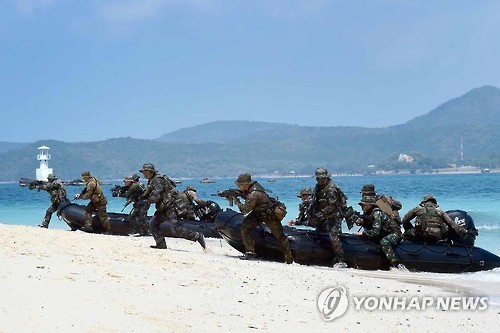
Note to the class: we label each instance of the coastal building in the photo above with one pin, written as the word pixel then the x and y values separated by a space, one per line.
pixel 43 156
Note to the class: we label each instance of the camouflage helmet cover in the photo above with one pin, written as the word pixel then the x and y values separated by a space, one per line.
pixel 128 179
pixel 321 173
pixel 136 177
pixel 86 173
pixel 429 197
pixel 305 191
pixel 367 199
pixel 190 188
pixel 51 176
pixel 244 179
pixel 148 167
pixel 368 189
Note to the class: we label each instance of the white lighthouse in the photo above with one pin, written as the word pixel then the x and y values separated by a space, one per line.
pixel 43 156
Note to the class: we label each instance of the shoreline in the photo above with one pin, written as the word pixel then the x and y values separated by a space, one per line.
pixel 65 280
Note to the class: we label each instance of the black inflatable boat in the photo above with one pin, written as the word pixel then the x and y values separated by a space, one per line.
pixel 312 248
pixel 74 215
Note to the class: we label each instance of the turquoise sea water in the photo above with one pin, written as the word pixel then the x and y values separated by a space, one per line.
pixel 478 194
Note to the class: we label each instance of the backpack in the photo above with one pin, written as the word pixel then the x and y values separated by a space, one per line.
pixel 277 208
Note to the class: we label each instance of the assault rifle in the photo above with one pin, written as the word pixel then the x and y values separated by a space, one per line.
pixel 118 190
pixel 230 195
pixel 126 204
pixel 35 184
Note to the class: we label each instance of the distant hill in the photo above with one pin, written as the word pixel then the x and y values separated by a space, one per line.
pixel 227 148
pixel 7 146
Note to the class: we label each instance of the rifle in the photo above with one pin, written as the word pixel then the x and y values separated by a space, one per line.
pixel 229 194
pixel 126 204
pixel 118 190
pixel 35 184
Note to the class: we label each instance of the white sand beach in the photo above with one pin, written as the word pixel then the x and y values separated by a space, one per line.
pixel 62 281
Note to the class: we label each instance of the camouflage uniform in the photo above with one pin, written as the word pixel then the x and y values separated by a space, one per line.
pixel 139 212
pixel 257 206
pixel 162 192
pixel 304 207
pixel 57 196
pixel 328 207
pixel 380 226
pixel 431 222
pixel 185 206
pixel 97 202
pixel 387 204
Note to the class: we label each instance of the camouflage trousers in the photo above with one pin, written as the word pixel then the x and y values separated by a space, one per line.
pixel 387 243
pixel 418 236
pixel 100 208
pixel 334 229
pixel 175 228
pixel 137 217
pixel 251 221
pixel 48 214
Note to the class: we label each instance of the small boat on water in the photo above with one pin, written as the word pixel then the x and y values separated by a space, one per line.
pixel 74 214
pixel 207 181
pixel 313 248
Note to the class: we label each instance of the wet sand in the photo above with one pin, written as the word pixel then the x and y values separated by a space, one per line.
pixel 57 280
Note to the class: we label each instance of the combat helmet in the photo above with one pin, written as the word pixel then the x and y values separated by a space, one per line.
pixel 86 173
pixel 305 191
pixel 148 167
pixel 128 179
pixel 136 177
pixel 244 179
pixel 368 189
pixel 429 197
pixel 51 177
pixel 190 188
pixel 366 199
pixel 321 173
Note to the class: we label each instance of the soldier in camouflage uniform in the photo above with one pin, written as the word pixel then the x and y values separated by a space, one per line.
pixel 328 208
pixel 431 223
pixel 139 212
pixel 387 204
pixel 97 202
pixel 162 192
pixel 304 207
pixel 188 203
pixel 258 207
pixel 379 226
pixel 57 196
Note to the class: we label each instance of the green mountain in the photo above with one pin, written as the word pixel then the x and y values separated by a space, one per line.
pixel 226 148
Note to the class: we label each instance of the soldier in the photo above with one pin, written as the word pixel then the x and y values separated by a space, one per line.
pixel 97 202
pixel 139 212
pixel 304 206
pixel 328 208
pixel 188 203
pixel 258 207
pixel 431 223
pixel 387 204
pixel 162 192
pixel 57 196
pixel 379 226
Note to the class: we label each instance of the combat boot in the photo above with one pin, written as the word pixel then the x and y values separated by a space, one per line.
pixel 340 264
pixel 44 224
pixel 289 259
pixel 248 256
pixel 159 246
pixel 201 240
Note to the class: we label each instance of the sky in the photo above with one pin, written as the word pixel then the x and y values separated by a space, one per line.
pixel 91 70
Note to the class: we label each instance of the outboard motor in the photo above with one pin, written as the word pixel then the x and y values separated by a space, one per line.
pixel 209 212
pixel 463 219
